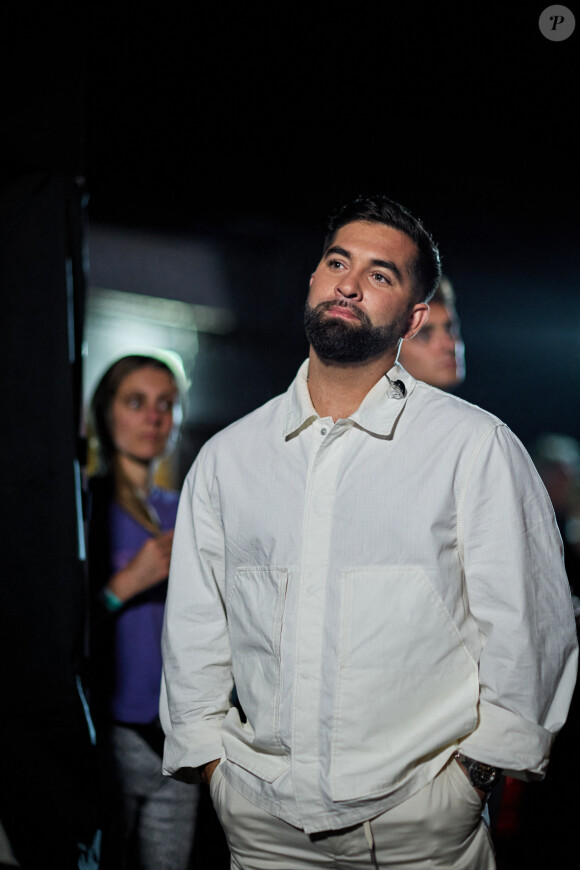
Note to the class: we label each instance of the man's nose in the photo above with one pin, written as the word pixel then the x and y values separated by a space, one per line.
pixel 447 342
pixel 349 287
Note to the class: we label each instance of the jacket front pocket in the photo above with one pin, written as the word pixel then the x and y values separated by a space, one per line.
pixel 255 609
pixel 406 687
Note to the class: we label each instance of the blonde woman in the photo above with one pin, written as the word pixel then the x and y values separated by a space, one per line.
pixel 148 820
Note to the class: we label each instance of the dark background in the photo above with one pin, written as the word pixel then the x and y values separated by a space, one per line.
pixel 252 126
pixel 246 127
pixel 249 127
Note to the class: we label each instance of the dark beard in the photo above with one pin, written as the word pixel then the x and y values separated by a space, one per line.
pixel 341 341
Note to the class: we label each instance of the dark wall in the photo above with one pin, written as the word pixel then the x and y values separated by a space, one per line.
pixel 45 749
pixel 44 737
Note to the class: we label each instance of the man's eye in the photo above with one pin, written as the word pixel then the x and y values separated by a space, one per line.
pixel 166 405
pixel 334 264
pixel 382 279
pixel 133 402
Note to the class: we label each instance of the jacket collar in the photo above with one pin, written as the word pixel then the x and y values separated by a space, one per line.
pixel 377 414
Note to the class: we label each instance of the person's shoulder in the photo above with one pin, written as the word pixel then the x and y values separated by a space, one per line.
pixel 436 401
pixel 236 441
pixel 250 425
pixel 446 416
pixel 165 503
pixel 442 424
pixel 161 495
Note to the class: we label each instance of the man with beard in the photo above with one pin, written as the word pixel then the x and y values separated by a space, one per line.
pixel 375 565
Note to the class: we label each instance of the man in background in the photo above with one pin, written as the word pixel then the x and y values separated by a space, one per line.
pixel 436 355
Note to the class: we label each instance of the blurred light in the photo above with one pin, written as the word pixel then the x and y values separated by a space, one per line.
pixel 117 323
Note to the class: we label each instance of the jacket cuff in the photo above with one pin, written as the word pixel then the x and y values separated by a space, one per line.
pixel 183 754
pixel 519 747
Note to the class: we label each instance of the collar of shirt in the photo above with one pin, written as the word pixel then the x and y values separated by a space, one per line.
pixel 377 413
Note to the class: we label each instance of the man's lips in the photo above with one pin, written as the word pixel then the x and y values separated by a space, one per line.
pixel 343 311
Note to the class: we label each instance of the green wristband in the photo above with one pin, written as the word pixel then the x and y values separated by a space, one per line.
pixel 110 600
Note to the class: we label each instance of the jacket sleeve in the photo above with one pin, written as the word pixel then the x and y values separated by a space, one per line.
pixel 520 598
pixel 197 674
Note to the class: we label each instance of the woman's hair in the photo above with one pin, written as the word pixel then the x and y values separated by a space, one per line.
pixel 100 422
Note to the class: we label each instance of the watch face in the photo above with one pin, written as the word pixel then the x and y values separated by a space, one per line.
pixel 482 775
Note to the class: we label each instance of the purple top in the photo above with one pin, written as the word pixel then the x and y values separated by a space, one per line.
pixel 137 678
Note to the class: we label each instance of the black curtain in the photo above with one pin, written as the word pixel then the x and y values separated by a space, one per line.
pixel 46 782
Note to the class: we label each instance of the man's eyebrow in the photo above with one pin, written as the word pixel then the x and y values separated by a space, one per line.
pixel 342 252
pixel 384 264
pixel 388 264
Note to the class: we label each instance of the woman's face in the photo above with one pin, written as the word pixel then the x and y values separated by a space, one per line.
pixel 142 413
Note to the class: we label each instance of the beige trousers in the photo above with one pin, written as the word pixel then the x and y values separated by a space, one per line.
pixel 439 827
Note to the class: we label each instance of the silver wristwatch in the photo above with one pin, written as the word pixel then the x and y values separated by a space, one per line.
pixel 481 775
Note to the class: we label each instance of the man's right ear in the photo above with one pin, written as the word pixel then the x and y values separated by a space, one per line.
pixel 417 318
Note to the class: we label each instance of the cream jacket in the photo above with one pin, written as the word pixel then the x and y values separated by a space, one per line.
pixel 381 590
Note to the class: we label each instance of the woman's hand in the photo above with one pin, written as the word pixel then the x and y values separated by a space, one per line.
pixel 148 567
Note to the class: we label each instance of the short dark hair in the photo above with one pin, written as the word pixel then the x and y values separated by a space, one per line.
pixel 426 268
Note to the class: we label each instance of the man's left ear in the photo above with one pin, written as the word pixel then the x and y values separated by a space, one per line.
pixel 417 317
